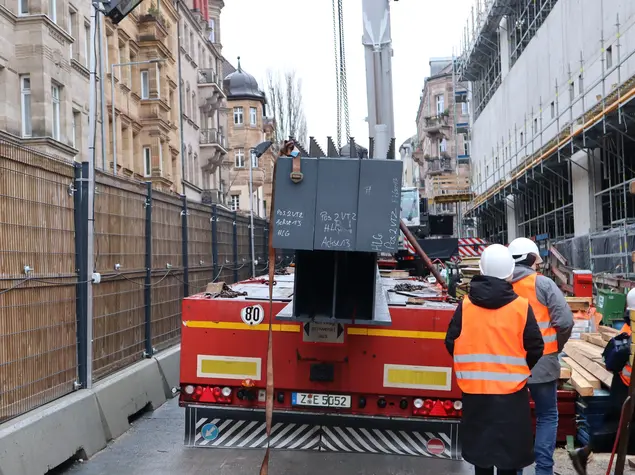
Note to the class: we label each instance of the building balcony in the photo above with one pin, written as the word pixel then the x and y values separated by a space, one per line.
pixel 153 27
pixel 213 147
pixel 435 124
pixel 437 166
pixel 463 125
pixel 451 189
pixel 211 93
pixel 212 196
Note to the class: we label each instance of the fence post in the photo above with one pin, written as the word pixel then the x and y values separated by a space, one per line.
pixel 235 242
pixel 252 250
pixel 147 293
pixel 214 220
pixel 80 215
pixel 184 238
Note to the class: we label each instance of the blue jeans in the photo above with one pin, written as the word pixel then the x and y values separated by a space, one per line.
pixel 545 396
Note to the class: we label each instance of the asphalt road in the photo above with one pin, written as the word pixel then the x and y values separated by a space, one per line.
pixel 154 446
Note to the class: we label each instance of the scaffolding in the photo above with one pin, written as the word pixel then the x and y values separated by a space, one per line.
pixel 531 181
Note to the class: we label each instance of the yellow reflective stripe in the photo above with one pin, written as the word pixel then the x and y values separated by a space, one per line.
pixel 276 327
pixel 396 333
pixel 292 328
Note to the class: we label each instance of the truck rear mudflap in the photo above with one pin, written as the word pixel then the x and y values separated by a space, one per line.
pixel 223 427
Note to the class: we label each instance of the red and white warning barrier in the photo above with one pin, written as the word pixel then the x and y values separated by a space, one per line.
pixel 471 247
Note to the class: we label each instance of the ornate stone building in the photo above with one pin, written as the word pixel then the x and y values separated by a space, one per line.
pixel 44 59
pixel 441 147
pixel 248 127
pixel 203 103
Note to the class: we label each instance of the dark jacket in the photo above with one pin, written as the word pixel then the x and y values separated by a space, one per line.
pixel 496 430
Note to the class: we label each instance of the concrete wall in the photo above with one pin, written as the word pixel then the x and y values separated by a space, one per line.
pixel 82 423
pixel 573 30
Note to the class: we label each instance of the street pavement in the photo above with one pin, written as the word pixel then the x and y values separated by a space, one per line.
pixel 154 446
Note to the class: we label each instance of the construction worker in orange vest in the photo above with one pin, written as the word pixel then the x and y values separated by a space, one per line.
pixel 555 320
pixel 604 438
pixel 495 341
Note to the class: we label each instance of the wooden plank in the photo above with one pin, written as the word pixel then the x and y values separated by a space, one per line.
pixel 565 372
pixel 581 385
pixel 555 253
pixel 591 366
pixel 590 350
pixel 608 330
pixel 577 304
pixel 594 338
pixel 577 368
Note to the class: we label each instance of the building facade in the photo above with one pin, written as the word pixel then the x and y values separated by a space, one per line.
pixel 442 144
pixel 248 126
pixel 552 144
pixel 167 130
pixel 203 118
pixel 44 76
pixel 410 174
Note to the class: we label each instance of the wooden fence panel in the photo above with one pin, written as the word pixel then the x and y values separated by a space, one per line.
pixel 199 245
pixel 167 270
pixel 118 301
pixel 37 310
pixel 225 241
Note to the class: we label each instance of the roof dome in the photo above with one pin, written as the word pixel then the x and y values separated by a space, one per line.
pixel 241 85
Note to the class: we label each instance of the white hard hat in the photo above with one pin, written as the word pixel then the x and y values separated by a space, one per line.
pixel 497 261
pixel 522 247
pixel 630 300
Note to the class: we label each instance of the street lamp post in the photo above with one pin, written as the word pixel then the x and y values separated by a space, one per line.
pixel 112 100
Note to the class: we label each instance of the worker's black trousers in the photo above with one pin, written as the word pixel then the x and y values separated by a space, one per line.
pixel 490 471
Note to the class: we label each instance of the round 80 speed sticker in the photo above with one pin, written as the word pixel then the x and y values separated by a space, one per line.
pixel 253 315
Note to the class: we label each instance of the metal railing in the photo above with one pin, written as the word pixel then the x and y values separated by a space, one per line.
pixel 439 166
pixel 212 136
pixel 207 76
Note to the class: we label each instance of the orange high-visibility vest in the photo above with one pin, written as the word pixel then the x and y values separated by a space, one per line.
pixel 526 287
pixel 625 374
pixel 489 355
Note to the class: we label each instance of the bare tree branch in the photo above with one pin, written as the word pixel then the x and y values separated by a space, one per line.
pixel 284 95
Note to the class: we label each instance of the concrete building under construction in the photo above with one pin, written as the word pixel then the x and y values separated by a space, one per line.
pixel 552 116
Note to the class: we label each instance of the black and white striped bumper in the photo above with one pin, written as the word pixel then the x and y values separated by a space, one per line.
pixel 221 427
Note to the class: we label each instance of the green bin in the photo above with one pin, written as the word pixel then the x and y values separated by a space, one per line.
pixel 611 305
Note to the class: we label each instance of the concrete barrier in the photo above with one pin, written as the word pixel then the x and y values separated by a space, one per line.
pixel 82 423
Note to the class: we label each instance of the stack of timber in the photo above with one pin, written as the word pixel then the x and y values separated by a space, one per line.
pixel 584 358
pixel 591 380
pixel 468 268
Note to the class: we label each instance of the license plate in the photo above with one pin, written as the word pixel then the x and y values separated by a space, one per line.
pixel 320 400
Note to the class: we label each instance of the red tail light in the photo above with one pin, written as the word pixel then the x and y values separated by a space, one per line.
pixel 198 391
pixel 448 405
pixel 217 391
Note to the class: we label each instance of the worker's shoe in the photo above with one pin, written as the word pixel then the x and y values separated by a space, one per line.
pixel 579 459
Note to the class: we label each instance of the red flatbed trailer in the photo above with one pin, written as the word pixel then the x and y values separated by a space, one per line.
pixel 373 378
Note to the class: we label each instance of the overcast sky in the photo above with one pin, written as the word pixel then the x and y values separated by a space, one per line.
pixel 298 35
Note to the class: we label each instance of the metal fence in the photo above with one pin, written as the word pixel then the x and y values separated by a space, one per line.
pixel 150 249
